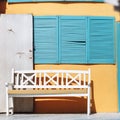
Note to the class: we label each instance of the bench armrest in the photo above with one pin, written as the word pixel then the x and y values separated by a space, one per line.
pixel 9 84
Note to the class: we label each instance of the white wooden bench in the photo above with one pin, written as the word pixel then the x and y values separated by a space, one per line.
pixel 48 83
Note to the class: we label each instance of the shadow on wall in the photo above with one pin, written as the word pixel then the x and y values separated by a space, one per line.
pixel 64 104
pixel 3 6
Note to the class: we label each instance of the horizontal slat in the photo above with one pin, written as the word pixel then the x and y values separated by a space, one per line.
pixel 51 86
pixel 51 71
pixel 12 1
pixel 50 95
pixel 47 91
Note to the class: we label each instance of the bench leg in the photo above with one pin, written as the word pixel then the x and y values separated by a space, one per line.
pixel 11 106
pixel 7 105
pixel 88 102
pixel 88 106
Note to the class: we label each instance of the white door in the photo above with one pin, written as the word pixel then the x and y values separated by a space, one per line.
pixel 16 51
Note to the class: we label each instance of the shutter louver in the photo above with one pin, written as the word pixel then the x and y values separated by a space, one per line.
pixel 46 39
pixel 101 40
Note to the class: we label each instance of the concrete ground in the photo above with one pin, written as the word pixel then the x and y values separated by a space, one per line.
pixel 96 116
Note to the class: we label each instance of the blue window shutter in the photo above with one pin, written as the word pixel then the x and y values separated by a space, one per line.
pixel 72 39
pixel 45 39
pixel 15 1
pixel 118 61
pixel 101 40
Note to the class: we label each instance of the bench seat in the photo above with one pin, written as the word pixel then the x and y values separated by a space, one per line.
pixel 46 92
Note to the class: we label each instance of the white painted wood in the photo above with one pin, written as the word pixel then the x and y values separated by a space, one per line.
pixel 27 79
pixel 7 104
pixel 113 2
pixel 15 48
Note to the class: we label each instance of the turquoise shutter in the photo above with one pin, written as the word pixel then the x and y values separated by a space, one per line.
pixel 118 61
pixel 101 40
pixel 14 1
pixel 72 39
pixel 45 39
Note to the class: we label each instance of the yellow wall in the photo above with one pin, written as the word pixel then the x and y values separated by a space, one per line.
pixel 104 88
pixel 104 77
pixel 96 9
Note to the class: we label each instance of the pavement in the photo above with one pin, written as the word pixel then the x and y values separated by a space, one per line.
pixel 96 116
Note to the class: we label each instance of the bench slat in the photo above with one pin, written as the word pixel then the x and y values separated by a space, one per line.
pixel 48 91
pixel 50 86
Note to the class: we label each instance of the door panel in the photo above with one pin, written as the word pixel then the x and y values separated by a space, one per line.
pixel 16 45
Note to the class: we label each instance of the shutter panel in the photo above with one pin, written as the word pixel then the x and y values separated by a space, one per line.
pixel 118 60
pixel 101 40
pixel 72 39
pixel 45 39
pixel 15 1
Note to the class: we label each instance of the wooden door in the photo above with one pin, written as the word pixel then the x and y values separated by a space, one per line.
pixel 16 51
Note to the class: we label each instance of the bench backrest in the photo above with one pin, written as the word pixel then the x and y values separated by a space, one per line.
pixel 51 78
